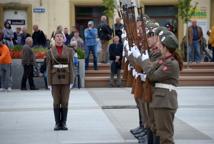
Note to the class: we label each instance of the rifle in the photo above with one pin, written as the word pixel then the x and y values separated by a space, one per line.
pixel 143 45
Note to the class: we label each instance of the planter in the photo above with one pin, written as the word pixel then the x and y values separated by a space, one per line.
pixel 82 72
pixel 17 72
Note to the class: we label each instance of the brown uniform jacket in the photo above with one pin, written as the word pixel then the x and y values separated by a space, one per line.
pixel 58 75
pixel 166 73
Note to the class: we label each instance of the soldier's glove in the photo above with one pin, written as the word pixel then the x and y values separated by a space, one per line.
pixel 143 77
pixel 49 87
pixel 136 52
pixel 126 45
pixel 71 86
pixel 134 73
pixel 145 55
pixel 129 53
pixel 123 35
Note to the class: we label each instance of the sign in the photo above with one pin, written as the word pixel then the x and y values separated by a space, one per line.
pixel 16 21
pixel 202 15
pixel 39 10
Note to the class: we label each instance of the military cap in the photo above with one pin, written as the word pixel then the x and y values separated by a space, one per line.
pixel 169 40
pixel 159 31
pixel 151 26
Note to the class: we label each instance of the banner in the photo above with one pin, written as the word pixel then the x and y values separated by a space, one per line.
pixel 202 15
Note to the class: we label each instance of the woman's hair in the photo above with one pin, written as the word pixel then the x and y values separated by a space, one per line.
pixel 7 25
pixel 177 57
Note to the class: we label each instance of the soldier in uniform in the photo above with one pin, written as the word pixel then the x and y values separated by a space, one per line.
pixel 60 78
pixel 153 32
pixel 164 75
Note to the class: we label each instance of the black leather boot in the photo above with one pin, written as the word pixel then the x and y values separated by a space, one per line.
pixel 57 119
pixel 137 130
pixel 142 134
pixel 64 112
pixel 140 128
pixel 150 137
pixel 156 140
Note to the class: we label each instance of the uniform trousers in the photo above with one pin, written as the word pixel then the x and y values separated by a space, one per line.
pixel 104 51
pixel 164 119
pixel 60 93
pixel 140 108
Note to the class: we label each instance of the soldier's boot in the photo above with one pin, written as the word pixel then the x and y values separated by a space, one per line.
pixel 140 128
pixel 143 140
pixel 156 139
pixel 64 112
pixel 57 119
pixel 150 137
pixel 143 133
pixel 137 130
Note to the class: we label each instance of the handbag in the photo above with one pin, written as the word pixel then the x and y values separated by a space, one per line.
pixel 36 72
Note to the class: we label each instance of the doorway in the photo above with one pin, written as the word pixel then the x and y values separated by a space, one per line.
pixel 85 14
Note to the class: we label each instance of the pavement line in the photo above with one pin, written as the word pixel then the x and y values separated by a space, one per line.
pixel 100 142
pixel 44 109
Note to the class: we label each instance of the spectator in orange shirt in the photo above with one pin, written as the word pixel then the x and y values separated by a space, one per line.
pixel 5 67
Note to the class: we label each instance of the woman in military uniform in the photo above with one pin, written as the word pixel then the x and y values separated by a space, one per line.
pixel 60 79
pixel 164 75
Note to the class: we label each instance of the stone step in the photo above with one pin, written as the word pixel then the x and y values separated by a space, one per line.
pixel 183 81
pixel 185 72
pixel 202 65
pixel 197 72
pixel 101 66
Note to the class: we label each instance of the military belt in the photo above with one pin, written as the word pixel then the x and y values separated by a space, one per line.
pixel 165 86
pixel 60 66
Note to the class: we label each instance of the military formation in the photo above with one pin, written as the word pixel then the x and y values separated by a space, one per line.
pixel 151 67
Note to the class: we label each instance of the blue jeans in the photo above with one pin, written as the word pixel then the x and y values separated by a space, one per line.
pixel 195 52
pixel 94 52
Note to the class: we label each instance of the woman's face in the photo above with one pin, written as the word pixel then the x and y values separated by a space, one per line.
pixel 162 49
pixel 59 39
pixel 152 40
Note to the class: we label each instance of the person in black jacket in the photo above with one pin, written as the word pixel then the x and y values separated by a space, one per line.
pixel 24 35
pixel 118 26
pixel 115 56
pixel 104 34
pixel 38 36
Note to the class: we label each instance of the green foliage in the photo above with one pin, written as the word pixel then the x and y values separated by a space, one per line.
pixel 109 8
pixel 39 49
pixel 17 48
pixel 80 53
pixel 186 10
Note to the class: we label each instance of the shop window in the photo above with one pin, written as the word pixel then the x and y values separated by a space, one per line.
pixel 164 15
pixel 86 13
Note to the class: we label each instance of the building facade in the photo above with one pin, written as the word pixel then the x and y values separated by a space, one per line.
pixel 48 14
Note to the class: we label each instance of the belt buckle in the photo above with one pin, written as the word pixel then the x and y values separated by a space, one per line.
pixel 170 88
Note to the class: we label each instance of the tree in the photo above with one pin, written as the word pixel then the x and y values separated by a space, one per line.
pixel 109 8
pixel 186 11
